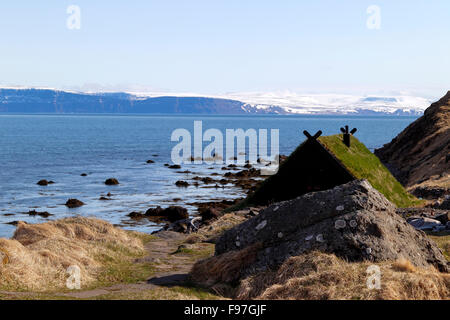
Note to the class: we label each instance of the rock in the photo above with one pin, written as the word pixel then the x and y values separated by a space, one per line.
pixel 44 182
pixel 425 224
pixel 175 166
pixel 373 231
pixel 182 184
pixel 445 205
pixel 443 218
pixel 136 215
pixel 104 198
pixel 44 214
pixel 208 214
pixel 83 174
pixel 14 223
pixel 150 161
pixel 111 182
pixel 184 225
pixel 154 212
pixel 74 203
pixel 173 213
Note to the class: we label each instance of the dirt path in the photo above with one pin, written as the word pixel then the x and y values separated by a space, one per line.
pixel 171 269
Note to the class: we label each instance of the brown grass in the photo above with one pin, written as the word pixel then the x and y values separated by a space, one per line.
pixel 39 255
pixel 225 268
pixel 403 265
pixel 213 230
pixel 317 276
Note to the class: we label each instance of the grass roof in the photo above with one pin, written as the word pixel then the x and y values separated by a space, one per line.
pixel 363 164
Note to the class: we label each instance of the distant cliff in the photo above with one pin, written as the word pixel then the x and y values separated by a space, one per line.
pixel 53 101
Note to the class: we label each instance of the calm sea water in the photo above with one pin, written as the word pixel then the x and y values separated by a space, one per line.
pixel 62 147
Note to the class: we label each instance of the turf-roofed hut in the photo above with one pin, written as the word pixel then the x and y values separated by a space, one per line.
pixel 322 163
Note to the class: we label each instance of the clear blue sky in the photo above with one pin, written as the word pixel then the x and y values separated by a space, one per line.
pixel 217 46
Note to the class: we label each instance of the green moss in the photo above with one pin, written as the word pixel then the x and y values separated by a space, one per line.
pixel 363 164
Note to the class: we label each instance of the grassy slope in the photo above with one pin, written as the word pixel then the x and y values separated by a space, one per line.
pixel 363 164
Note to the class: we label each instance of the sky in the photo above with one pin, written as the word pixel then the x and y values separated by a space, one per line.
pixel 221 46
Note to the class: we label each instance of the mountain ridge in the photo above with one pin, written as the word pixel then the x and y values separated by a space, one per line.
pixel 37 100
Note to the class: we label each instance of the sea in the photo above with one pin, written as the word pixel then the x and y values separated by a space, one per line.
pixel 61 148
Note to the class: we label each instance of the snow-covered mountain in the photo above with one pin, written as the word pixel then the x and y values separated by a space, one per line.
pixel 52 100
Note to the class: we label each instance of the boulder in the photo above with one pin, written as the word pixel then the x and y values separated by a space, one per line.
pixel 44 182
pixel 74 203
pixel 175 166
pixel 425 223
pixel 136 215
pixel 172 214
pixel 208 214
pixel 44 214
pixel 353 221
pixel 150 161
pixel 111 182
pixel 182 184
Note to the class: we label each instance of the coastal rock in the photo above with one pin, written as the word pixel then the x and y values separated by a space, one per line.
pixel 83 175
pixel 44 182
pixel 182 184
pixel 74 203
pixel 172 213
pixel 373 231
pixel 175 166
pixel 111 182
pixel 136 215
pixel 150 161
pixel 208 214
pixel 44 214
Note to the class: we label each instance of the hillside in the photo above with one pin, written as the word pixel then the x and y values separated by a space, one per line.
pixel 422 150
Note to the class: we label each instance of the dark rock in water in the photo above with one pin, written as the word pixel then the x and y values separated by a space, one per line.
pixel 14 223
pixel 353 221
pixel 154 212
pixel 44 182
pixel 111 182
pixel 104 199
pixel 173 213
pixel 44 214
pixel 181 183
pixel 150 161
pixel 136 215
pixel 208 214
pixel 175 166
pixel 83 174
pixel 74 203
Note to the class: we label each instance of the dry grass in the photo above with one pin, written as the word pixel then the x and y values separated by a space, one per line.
pixel 39 255
pixel 224 268
pixel 319 276
pixel 213 230
pixel 403 265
